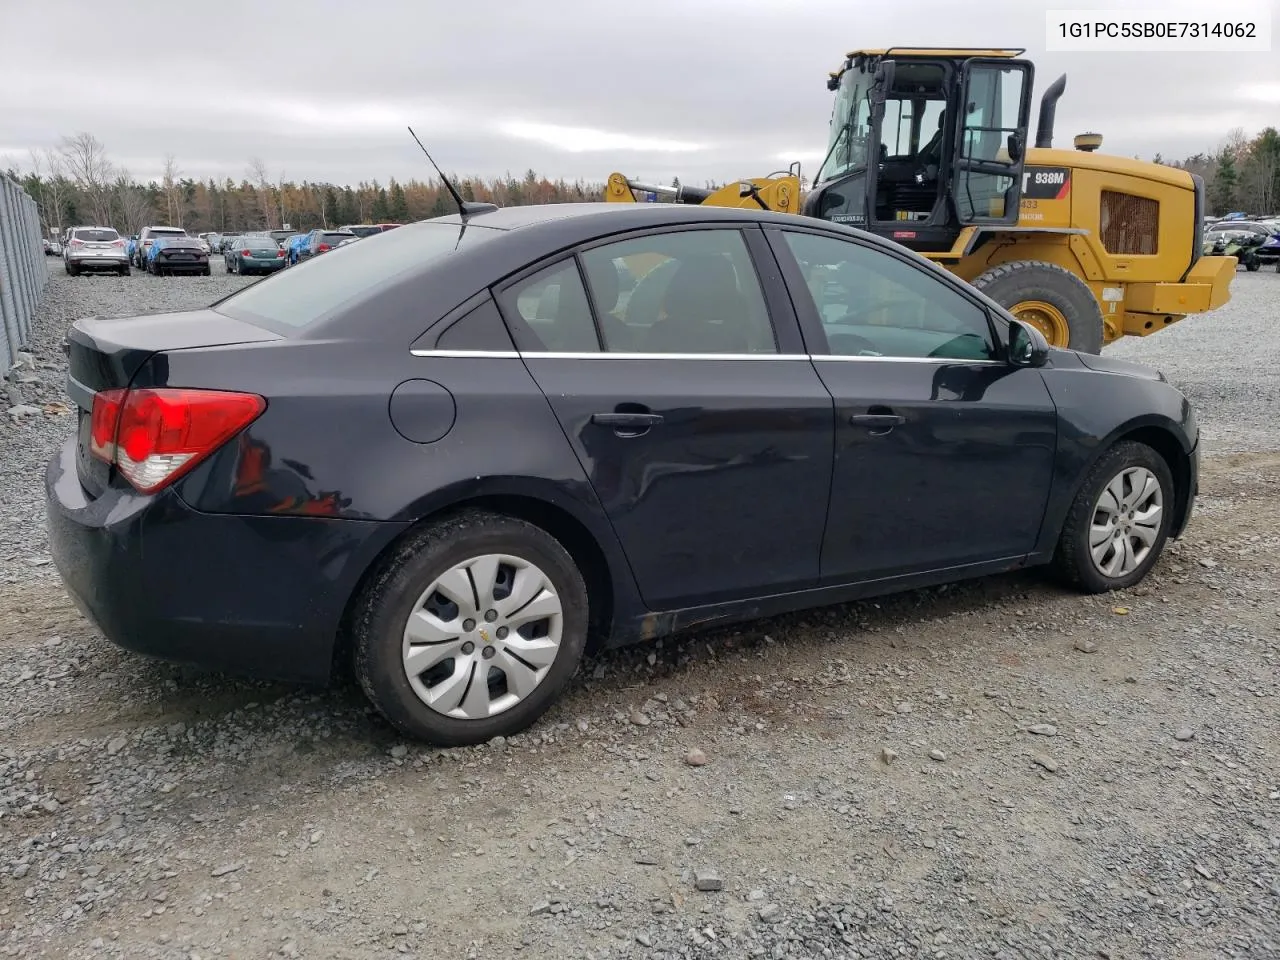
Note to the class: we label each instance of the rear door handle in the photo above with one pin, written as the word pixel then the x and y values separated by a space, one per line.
pixel 632 420
pixel 877 421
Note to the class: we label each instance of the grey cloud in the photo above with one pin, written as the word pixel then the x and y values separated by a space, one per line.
pixel 322 91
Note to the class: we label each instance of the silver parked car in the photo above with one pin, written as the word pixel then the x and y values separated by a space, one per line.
pixel 95 249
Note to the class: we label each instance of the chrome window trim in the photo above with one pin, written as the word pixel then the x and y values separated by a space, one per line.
pixel 815 357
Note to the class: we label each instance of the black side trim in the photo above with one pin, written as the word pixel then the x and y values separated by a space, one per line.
pixel 1197 232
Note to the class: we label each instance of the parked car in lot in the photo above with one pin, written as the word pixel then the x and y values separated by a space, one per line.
pixel 254 254
pixel 363 229
pixel 95 249
pixel 145 237
pixel 515 464
pixel 320 241
pixel 169 254
pixel 292 246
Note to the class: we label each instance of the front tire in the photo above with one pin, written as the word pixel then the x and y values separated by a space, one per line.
pixel 1049 297
pixel 478 598
pixel 1119 522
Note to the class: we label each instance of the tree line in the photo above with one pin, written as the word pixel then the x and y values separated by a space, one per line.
pixel 1242 174
pixel 77 182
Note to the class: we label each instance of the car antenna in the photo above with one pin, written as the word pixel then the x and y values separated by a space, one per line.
pixel 465 207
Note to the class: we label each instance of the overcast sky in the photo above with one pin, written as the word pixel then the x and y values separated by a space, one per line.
pixel 323 89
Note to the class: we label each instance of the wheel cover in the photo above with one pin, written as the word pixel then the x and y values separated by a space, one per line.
pixel 1046 318
pixel 1126 521
pixel 482 637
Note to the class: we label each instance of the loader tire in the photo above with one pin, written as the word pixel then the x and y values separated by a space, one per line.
pixel 1052 299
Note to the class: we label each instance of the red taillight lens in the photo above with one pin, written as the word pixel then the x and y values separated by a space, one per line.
pixel 117 243
pixel 77 243
pixel 245 253
pixel 323 247
pixel 153 436
pixel 279 253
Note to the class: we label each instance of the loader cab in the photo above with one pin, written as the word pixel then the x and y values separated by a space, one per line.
pixel 924 143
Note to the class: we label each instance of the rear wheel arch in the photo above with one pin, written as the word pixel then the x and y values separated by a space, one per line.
pixel 574 534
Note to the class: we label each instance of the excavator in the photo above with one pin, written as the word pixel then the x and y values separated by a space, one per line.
pixel 929 148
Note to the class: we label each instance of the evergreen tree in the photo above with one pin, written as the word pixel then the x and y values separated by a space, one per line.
pixel 399 205
pixel 1222 192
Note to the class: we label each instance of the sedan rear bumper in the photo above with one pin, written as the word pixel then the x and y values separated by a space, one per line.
pixel 253 596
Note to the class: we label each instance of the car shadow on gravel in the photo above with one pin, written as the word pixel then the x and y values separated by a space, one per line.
pixel 163 693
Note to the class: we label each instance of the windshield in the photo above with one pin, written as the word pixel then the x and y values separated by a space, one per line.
pixel 850 122
pixel 314 289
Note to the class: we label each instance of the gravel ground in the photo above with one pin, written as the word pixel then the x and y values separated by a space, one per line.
pixel 997 769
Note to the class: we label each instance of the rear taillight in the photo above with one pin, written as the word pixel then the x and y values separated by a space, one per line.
pixel 245 253
pixel 323 247
pixel 279 253
pixel 154 436
pixel 117 243
pixel 77 243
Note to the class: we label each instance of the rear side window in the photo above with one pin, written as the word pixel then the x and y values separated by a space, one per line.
pixel 97 236
pixel 315 289
pixel 554 313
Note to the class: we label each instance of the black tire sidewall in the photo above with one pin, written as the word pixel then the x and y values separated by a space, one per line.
pixel 1076 534
pixel 1012 283
pixel 394 591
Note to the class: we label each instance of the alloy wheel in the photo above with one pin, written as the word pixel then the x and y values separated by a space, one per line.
pixel 482 636
pixel 1126 522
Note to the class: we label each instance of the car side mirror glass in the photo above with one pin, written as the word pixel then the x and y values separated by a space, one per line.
pixel 1027 346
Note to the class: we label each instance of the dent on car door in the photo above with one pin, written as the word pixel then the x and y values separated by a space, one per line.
pixel 705 430
pixel 944 452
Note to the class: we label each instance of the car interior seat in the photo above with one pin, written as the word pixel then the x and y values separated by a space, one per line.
pixel 705 310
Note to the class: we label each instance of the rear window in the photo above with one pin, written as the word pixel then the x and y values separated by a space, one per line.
pixel 97 236
pixel 315 289
pixel 334 237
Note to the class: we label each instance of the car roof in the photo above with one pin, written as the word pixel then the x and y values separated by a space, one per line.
pixel 636 215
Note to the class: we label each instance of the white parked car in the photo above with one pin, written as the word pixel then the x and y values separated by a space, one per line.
pixel 94 249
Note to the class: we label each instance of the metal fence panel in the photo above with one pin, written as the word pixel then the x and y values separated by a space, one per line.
pixel 23 273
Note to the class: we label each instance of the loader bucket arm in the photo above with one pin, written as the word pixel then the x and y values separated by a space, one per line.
pixel 780 192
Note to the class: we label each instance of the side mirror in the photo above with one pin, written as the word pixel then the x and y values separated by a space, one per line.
pixel 1015 146
pixel 1027 345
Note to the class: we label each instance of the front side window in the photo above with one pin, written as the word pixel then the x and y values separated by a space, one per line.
pixel 874 304
pixel 689 291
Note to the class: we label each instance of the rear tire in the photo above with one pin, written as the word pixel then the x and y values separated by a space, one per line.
pixel 1092 555
pixel 1067 298
pixel 414 587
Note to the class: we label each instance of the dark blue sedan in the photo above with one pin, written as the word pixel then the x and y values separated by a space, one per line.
pixel 461 453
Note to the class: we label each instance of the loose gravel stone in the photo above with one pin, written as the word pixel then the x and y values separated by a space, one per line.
pixel 708 880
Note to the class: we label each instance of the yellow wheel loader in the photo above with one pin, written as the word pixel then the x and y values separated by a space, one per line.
pixel 929 147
